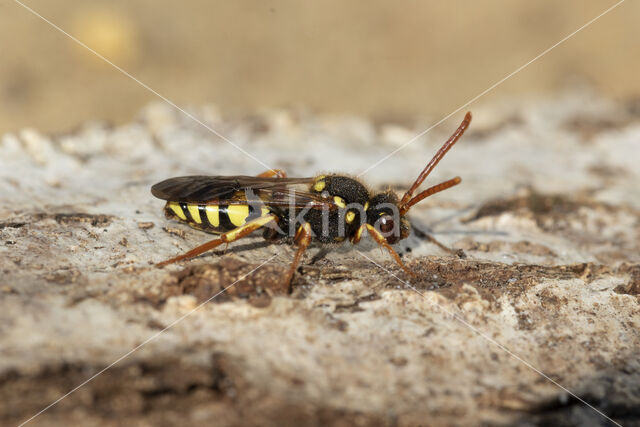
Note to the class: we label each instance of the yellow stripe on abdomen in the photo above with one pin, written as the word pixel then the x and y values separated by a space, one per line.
pixel 176 209
pixel 194 211
pixel 213 215
pixel 238 214
pixel 215 218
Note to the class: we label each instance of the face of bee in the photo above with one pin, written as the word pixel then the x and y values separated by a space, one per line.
pixel 384 215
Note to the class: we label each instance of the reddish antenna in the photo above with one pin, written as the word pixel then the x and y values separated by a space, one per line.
pixel 407 200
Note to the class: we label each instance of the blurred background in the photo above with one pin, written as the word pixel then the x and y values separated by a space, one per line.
pixel 385 60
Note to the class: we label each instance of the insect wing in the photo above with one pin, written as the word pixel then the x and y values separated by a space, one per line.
pixel 238 189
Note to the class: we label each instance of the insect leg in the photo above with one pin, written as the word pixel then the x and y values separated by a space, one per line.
pixel 302 239
pixel 227 237
pixel 278 173
pixel 379 238
pixel 428 237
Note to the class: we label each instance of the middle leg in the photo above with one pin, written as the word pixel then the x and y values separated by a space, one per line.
pixel 278 173
pixel 302 239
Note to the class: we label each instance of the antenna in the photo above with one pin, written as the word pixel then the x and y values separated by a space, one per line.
pixel 407 200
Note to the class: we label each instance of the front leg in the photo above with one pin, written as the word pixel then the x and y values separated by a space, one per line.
pixel 379 238
pixel 428 237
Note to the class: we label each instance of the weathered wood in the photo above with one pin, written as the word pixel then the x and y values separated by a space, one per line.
pixel 547 215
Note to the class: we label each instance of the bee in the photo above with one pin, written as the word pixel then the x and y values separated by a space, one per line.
pixel 327 209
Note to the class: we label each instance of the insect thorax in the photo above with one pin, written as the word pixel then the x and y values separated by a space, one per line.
pixel 350 196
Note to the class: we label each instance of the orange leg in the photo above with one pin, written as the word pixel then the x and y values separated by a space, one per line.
pixel 278 173
pixel 227 237
pixel 302 239
pixel 379 238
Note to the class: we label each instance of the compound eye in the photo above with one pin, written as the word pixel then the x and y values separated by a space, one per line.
pixel 386 223
pixel 387 226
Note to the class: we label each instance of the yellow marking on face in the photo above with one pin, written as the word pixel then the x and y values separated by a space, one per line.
pixel 213 215
pixel 366 206
pixel 238 214
pixel 350 216
pixel 339 201
pixel 195 213
pixel 175 207
pixel 319 185
pixel 265 211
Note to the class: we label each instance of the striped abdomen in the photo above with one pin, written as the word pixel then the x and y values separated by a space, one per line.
pixel 214 218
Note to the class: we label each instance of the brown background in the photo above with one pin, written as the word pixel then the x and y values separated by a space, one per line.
pixel 387 60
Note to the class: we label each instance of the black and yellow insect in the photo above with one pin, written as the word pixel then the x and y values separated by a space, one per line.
pixel 326 208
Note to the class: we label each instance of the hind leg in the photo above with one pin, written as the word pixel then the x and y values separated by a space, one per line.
pixel 228 237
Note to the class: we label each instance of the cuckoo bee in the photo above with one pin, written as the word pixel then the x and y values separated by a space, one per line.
pixel 327 208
